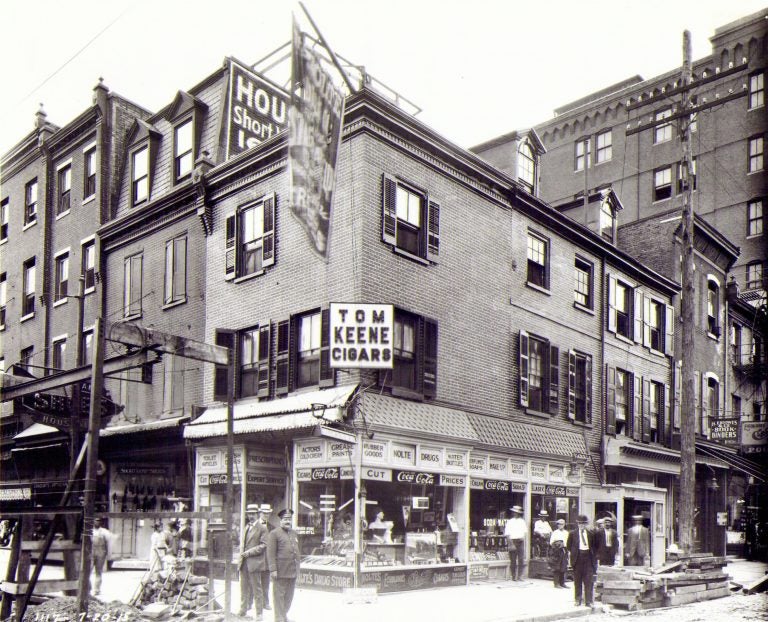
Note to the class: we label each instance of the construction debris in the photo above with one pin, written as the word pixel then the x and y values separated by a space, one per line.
pixel 688 579
pixel 180 589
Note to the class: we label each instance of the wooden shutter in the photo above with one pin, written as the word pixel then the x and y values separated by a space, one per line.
pixel 230 247
pixel 697 401
pixel 282 357
pixel 705 405
pixel 433 231
pixel 669 330
pixel 646 321
pixel 268 241
pixel 265 349
pixel 180 268
pixel 646 431
pixel 612 303
pixel 610 400
pixel 571 385
pixel 588 390
pixel 554 378
pixel 638 316
pixel 327 373
pixel 430 358
pixel 678 396
pixel 523 367
pixel 389 210
pixel 636 404
pixel 222 382
pixel 666 428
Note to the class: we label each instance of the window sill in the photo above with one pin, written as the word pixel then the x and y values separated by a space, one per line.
pixel 754 236
pixel 3 241
pixel 88 199
pixel 624 338
pixel 760 107
pixel 539 288
pixel 135 316
pixel 60 216
pixel 713 336
pixel 655 201
pixel 89 290
pixel 662 142
pixel 757 172
pixel 399 251
pixel 582 424
pixel 608 161
pixel 581 307
pixel 656 352
pixel 248 277
pixel 26 317
pixel 175 303
pixel 537 413
pixel 29 225
pixel 59 302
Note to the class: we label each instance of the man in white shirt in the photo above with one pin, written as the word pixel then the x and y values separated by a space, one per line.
pixel 542 530
pixel 515 531
pixel 558 554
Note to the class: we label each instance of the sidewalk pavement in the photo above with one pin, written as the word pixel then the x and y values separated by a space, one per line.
pixel 531 600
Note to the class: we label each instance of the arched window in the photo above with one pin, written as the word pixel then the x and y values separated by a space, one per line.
pixel 526 166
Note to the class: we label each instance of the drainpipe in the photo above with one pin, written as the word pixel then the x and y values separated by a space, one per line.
pixel 603 375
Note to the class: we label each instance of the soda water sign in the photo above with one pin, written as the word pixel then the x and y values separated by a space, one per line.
pixel 258 110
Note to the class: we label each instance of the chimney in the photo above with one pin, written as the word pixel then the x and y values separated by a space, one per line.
pixel 100 92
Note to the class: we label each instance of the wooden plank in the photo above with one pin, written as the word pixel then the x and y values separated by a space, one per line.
pixel 673 600
pixel 624 585
pixel 133 335
pixel 690 589
pixel 615 599
pixel 41 587
pixel 668 567
pixel 757 586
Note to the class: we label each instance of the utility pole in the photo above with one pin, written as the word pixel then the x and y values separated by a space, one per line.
pixel 687 407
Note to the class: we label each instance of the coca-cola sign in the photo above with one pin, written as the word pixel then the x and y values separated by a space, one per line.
pixel 416 477
pixel 325 473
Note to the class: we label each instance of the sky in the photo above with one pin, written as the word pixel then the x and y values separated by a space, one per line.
pixel 477 69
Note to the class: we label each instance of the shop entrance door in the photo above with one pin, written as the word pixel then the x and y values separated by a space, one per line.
pixel 637 507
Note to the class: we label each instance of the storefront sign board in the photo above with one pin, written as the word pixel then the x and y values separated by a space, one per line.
pixel 339 450
pixel 455 459
pixel 518 469
pixel 326 580
pixel 415 477
pixel 403 454
pixel 259 459
pixel 556 473
pixel 405 580
pixel 361 335
pixel 430 457
pixel 264 480
pixel 754 437
pixel 143 470
pixel 15 494
pixel 218 478
pixel 478 464
pixel 374 451
pixel 209 461
pixel 459 481
pixel 310 452
pixel 726 430
pixel 497 467
pixel 382 475
pixel 538 471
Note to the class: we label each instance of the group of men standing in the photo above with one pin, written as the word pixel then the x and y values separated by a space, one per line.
pixel 584 546
pixel 268 556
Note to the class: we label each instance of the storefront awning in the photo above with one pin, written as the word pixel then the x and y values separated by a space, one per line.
pixel 149 426
pixel 289 413
pixel 736 461
pixel 622 451
pixel 36 430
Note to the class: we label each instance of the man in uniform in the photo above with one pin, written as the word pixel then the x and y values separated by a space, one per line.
pixel 283 556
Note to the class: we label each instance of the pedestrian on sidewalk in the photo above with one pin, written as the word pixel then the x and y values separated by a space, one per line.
pixel 283 557
pixel 607 543
pixel 252 562
pixel 558 554
pixel 265 511
pixel 638 543
pixel 100 542
pixel 159 545
pixel 582 547
pixel 515 531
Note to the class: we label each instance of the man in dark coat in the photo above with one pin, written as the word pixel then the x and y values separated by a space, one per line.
pixel 582 547
pixel 283 557
pixel 265 511
pixel 607 543
pixel 252 562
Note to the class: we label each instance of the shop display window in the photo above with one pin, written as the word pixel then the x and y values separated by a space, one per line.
pixel 325 522
pixel 556 508
pixel 489 511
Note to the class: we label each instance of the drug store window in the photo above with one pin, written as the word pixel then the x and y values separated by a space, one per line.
pixel 489 503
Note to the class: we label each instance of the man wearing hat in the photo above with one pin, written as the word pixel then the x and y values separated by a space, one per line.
pixel 252 562
pixel 542 531
pixel 265 511
pixel 515 531
pixel 638 543
pixel 558 553
pixel 607 542
pixel 283 556
pixel 582 547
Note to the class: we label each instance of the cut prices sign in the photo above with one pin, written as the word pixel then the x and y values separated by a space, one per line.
pixel 362 335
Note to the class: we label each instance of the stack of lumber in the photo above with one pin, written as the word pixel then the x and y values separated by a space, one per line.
pixel 691 578
pixel 172 587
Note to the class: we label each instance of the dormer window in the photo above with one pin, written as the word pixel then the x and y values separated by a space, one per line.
pixel 140 175
pixel 526 166
pixel 607 221
pixel 183 157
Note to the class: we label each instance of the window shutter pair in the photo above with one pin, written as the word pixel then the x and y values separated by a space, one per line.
pixel 553 379
pixel 637 407
pixel 223 383
pixel 431 220
pixel 612 320
pixel 610 400
pixel 231 235
pixel 572 387
pixel 646 431
pixel 286 358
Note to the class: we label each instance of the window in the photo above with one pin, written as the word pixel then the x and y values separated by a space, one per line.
pixel 662 183
pixel 65 186
pixel 658 325
pixel 414 345
pixel 4 209
pixel 539 373
pixel 28 302
pixel 253 361
pixel 88 268
pixel 662 132
pixel 582 154
pixel 526 167
pixel 736 344
pixel 712 407
pixel 607 221
pixel 620 316
pixel 182 146
pixel 655 418
pixel 30 203
pixel 3 298
pixel 175 270
pixel 756 90
pixel 308 353
pixel 25 358
pixel 604 146
pixel 410 220
pixel 691 176
pixel 538 261
pixel 132 286
pixel 755 217
pixel 140 176
pixel 59 348
pixel 579 387
pixel 173 382
pixel 623 401
pixel 735 407
pixel 404 349
pixel 61 276
pixel 754 275
pixel 87 345
pixel 755 154
pixel 713 305
pixel 89 173
pixel 583 271
pixel 250 238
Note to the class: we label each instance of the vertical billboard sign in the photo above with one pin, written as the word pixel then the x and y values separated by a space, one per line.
pixel 257 111
pixel 314 121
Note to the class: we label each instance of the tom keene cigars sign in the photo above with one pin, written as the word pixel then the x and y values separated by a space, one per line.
pixel 361 335
pixel 258 110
